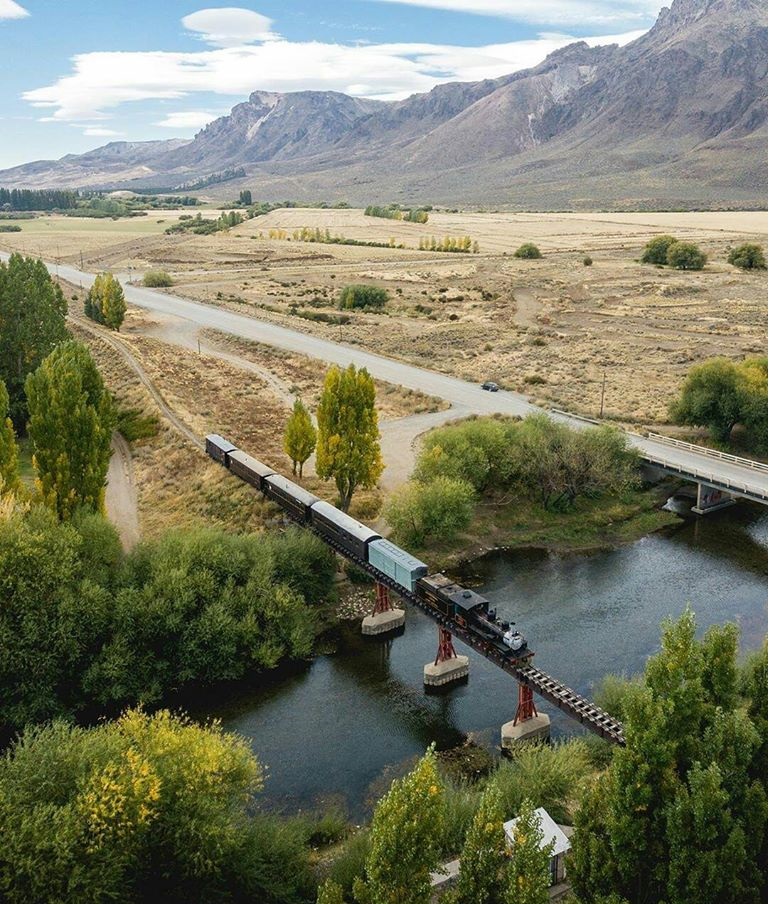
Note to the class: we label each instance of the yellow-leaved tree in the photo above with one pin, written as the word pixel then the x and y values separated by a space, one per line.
pixel 348 432
pixel 405 839
pixel 147 807
pixel 105 301
pixel 300 436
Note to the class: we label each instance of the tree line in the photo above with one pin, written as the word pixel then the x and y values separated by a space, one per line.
pixel 37 199
pixel 395 212
pixel 462 244
pixel 206 226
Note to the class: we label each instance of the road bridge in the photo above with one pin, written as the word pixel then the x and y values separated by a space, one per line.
pixel 724 473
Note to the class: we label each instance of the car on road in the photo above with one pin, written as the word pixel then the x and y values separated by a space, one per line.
pixel 490 385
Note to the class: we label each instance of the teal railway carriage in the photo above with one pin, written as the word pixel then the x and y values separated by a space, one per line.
pixel 396 563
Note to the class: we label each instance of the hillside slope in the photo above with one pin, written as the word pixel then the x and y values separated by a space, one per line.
pixel 675 117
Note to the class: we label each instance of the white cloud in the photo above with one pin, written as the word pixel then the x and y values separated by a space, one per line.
pixel 188 119
pixel 97 132
pixel 229 26
pixel 103 81
pixel 592 13
pixel 11 10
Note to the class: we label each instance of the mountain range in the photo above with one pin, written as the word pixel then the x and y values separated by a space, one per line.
pixel 677 117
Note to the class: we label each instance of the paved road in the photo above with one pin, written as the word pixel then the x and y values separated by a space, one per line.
pixel 466 398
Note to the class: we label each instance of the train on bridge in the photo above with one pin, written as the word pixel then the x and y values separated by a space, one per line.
pixel 450 603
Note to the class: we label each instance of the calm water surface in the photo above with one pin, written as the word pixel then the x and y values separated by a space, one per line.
pixel 341 728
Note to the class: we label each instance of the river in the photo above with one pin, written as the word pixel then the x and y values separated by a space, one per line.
pixel 340 728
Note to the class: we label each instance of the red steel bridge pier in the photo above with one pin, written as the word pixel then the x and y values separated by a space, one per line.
pixel 384 617
pixel 528 724
pixel 448 667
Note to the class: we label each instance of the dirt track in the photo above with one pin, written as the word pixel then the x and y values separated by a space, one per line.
pixel 121 500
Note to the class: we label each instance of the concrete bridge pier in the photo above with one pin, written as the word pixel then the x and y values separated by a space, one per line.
pixel 384 617
pixel 709 499
pixel 448 667
pixel 528 724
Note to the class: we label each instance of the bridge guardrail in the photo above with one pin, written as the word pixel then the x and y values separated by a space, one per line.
pixel 695 473
pixel 713 453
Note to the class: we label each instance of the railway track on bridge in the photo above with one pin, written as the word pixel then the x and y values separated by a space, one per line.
pixel 566 699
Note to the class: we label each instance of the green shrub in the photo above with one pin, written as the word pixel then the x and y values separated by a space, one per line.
pixel 461 802
pixel 474 451
pixel 656 249
pixel 549 776
pixel 372 298
pixel 10 227
pixel 438 510
pixel 748 257
pixel 587 261
pixel 157 279
pixel 528 251
pixel 134 425
pixel 686 256
pixel 350 863
pixel 303 562
pixel 611 693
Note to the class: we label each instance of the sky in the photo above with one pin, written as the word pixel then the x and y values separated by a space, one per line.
pixel 75 74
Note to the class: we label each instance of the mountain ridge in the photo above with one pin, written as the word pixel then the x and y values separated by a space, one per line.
pixel 679 113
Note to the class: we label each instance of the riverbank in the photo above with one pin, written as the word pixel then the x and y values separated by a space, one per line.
pixel 521 523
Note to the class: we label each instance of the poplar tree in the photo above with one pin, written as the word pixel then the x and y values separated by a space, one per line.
pixel 300 436
pixel 528 875
pixel 687 793
pixel 32 322
pixel 9 453
pixel 105 301
pixel 71 422
pixel 348 434
pixel 405 839
pixel 483 855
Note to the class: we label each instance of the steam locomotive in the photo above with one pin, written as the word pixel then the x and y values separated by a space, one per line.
pixel 448 600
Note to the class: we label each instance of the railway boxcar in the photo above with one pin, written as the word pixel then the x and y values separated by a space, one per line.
pixel 350 534
pixel 219 448
pixel 249 469
pixel 396 563
pixel 292 498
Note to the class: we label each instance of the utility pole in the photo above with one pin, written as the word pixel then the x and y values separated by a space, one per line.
pixel 81 260
pixel 603 391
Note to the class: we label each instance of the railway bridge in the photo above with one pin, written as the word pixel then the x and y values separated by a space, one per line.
pixel 527 722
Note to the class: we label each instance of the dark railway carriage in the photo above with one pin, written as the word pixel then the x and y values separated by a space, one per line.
pixel 350 534
pixel 219 448
pixel 433 589
pixel 292 498
pixel 249 469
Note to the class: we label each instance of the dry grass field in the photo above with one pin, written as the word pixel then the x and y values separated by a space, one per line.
pixel 551 328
